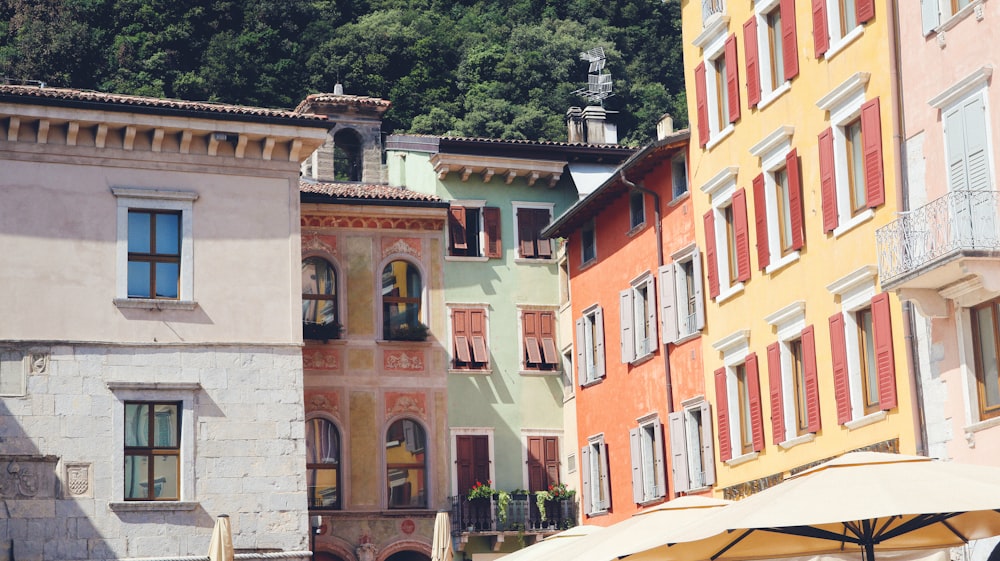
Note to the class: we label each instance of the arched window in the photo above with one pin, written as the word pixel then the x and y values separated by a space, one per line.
pixel 323 463
pixel 406 464
pixel 320 313
pixel 347 156
pixel 401 293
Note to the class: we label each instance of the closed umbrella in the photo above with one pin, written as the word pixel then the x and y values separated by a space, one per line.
pixel 441 549
pixel 860 502
pixel 220 548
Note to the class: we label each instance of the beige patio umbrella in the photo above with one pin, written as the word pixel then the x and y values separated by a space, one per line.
pixel 441 549
pixel 220 548
pixel 859 502
pixel 544 549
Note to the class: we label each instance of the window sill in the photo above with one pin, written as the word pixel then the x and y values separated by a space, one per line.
pixel 740 460
pixel 395 343
pixel 854 222
pixel 773 95
pixel 781 263
pixel 151 506
pixel 793 442
pixel 155 304
pixel 471 371
pixel 594 382
pixel 466 258
pixel 643 359
pixel 982 425
pixel 960 15
pixel 844 42
pixel 636 229
pixel 679 198
pixel 587 264
pixel 698 489
pixel 534 261
pixel 596 513
pixel 719 136
pixel 733 291
pixel 652 501
pixel 339 341
pixel 540 373
pixel 687 337
pixel 865 421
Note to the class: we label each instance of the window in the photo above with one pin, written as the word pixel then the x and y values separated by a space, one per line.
pixel 468 328
pixel 850 157
pixel 472 460
pixel 401 296
pixel 638 319
pixel 590 345
pixel 739 414
pixel 837 22
pixel 538 340
pixel 678 175
pixel 691 452
pixel 646 444
pixel 473 230
pixel 320 306
pixel 530 222
pixel 717 90
pixel 406 464
pixel 347 156
pixel 727 237
pixel 636 209
pixel 323 463
pixel 14 367
pixel 594 472
pixel 967 144
pixel 588 243
pixel 682 310
pixel 940 13
pixel 542 462
pixel 152 451
pixel 986 348
pixel 792 376
pixel 771 45
pixel 866 362
pixel 777 194
pixel 154 248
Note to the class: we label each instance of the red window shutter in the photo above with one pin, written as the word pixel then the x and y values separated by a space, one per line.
pixel 742 235
pixel 541 220
pixel 811 378
pixel 865 10
pixel 456 228
pixel 722 412
pixel 827 180
pixel 821 35
pixel 795 198
pixel 885 361
pixel 789 39
pixel 551 459
pixel 536 467
pixel 774 388
pixel 838 352
pixel 460 330
pixel 477 330
pixel 710 255
pixel 526 231
pixel 701 100
pixel 760 222
pixel 756 411
pixel 546 324
pixel 753 65
pixel 491 227
pixel 732 79
pixel 871 142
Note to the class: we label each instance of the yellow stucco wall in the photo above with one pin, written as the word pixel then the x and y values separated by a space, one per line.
pixel 364 444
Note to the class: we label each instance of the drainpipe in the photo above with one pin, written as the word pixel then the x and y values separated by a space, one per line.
pixel 902 197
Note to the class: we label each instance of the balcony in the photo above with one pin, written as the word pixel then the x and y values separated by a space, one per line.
pixel 711 7
pixel 482 517
pixel 939 244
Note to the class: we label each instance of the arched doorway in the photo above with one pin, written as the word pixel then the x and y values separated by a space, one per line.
pixel 347 155
pixel 408 555
pixel 325 556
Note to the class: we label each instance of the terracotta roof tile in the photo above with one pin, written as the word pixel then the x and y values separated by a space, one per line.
pixel 364 191
pixel 335 98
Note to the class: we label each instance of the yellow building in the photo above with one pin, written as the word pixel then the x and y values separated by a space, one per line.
pixel 793 167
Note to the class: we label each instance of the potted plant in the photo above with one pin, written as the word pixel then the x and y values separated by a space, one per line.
pixel 551 497
pixel 480 504
pixel 409 332
pixel 321 331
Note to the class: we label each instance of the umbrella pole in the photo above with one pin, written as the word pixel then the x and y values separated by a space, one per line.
pixel 869 551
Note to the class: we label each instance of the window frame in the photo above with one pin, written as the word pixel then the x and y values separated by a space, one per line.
pixel 692 447
pixel 723 226
pixel 155 200
pixel 777 155
pixel 588 240
pixel 736 357
pixel 636 210
pixel 716 83
pixel 339 463
pixel 594 458
pixel 831 34
pixel 589 371
pixel 649 483
pixel 526 349
pixel 677 296
pixel 454 354
pixel 641 290
pixel 152 451
pixel 679 176
pixel 767 49
pixel 425 466
pixel 959 106
pixel 382 319
pixel 456 432
pixel 794 394
pixel 337 286
pixel 542 251
pixel 486 236
pixel 978 415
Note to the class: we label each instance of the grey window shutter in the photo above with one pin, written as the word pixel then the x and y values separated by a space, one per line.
pixel 668 307
pixel 707 446
pixel 585 478
pixel 929 15
pixel 626 326
pixel 661 475
pixel 954 130
pixel 678 451
pixel 699 298
pixel 599 359
pixel 651 313
pixel 581 351
pixel 976 151
pixel 605 484
pixel 635 447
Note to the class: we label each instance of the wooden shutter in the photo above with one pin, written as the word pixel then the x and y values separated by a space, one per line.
pixel 699 297
pixel 585 482
pixel 789 39
pixel 661 487
pixel 701 100
pixel 456 228
pixel 581 351
pixel 821 35
pixel 885 362
pixel 707 443
pixel 651 315
pixel 626 327
pixel 605 484
pixel 491 229
pixel 529 325
pixel 752 62
pixel 742 235
pixel 477 330
pixel 776 391
pixel 460 331
pixel 547 332
pixel 795 198
pixel 525 232
pixel 599 360
pixel 871 142
pixel 668 305
pixel 635 448
pixel 710 255
pixel 536 469
pixel 975 151
pixel 810 378
pixel 838 351
pixel 828 180
pixel 756 411
pixel 550 458
pixel 541 221
pixel 865 10
pixel 732 79
pixel 929 15
pixel 678 450
pixel 760 222
pixel 954 130
pixel 463 463
pixel 722 412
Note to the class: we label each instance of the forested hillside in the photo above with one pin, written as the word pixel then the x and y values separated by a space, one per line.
pixel 492 68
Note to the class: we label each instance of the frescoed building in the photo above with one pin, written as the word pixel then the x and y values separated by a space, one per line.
pixel 793 169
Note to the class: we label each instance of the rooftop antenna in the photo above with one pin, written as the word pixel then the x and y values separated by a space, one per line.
pixel 598 83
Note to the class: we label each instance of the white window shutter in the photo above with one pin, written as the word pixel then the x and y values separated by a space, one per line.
pixel 585 476
pixel 699 297
pixel 707 443
pixel 581 351
pixel 605 484
pixel 661 475
pixel 929 15
pixel 954 130
pixel 668 305
pixel 652 340
pixel 626 327
pixel 976 150
pixel 636 450
pixel 599 359
pixel 678 451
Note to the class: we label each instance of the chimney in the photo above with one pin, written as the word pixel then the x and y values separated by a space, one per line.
pixel 338 89
pixel 665 126
pixel 574 123
pixel 598 130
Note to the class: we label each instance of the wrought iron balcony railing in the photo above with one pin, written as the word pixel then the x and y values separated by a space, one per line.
pixel 521 514
pixel 959 223
pixel 710 8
